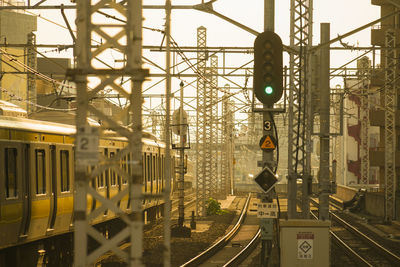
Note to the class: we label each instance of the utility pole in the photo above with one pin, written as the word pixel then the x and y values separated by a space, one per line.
pixel 324 181
pixel 168 163
pixel 180 127
pixel 181 183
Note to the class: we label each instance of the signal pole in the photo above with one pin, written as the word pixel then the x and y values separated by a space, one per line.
pixel 267 156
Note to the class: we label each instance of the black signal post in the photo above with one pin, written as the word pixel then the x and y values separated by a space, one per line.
pixel 268 68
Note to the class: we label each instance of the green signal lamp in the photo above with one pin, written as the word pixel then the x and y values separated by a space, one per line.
pixel 269 90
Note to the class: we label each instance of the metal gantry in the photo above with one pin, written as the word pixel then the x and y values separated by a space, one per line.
pixel 390 126
pixel 126 37
pixel 301 38
pixel 31 62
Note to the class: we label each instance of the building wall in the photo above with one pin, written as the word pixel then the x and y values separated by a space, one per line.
pixel 14 28
pixel 352 139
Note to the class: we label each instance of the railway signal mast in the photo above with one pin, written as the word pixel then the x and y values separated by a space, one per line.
pixel 268 89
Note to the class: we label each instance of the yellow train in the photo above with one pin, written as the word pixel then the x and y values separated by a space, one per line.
pixel 37 178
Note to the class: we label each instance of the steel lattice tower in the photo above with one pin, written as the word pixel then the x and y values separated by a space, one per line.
pixel 203 126
pixel 364 135
pixel 390 129
pixel 214 134
pixel 226 142
pixel 126 37
pixel 301 38
pixel 31 61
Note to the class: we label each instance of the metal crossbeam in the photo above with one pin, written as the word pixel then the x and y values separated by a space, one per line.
pixel 390 129
pixel 127 38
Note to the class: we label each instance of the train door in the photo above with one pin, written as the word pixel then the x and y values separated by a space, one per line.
pixel 119 179
pixel 149 173
pixel 26 190
pixel 62 186
pixel 162 171
pixel 153 171
pixel 101 181
pixel 124 180
pixel 107 179
pixel 11 199
pixel 53 188
pixel 144 172
pixel 40 190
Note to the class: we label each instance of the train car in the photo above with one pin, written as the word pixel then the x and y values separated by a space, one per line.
pixel 37 178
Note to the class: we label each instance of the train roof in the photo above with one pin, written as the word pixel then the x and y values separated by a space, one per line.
pixel 9 109
pixel 23 124
pixel 29 125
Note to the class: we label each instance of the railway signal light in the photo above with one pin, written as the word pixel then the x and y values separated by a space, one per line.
pixel 268 71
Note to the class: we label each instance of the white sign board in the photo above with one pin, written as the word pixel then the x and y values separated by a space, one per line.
pixel 267 210
pixel 87 146
pixel 305 244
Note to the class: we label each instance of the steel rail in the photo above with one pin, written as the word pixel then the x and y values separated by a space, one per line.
pixel 346 248
pixel 125 245
pixel 382 250
pixel 393 258
pixel 206 254
pixel 245 252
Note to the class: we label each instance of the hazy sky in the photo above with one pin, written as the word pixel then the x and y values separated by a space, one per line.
pixel 343 15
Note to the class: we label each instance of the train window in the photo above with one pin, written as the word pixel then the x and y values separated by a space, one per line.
pixel 11 172
pixel 126 167
pixel 148 163
pixel 162 171
pixel 100 181
pixel 143 170
pixel 154 167
pixel 100 178
pixel 40 171
pixel 159 167
pixel 64 164
pixel 113 174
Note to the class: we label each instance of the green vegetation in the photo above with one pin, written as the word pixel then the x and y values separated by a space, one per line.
pixel 214 207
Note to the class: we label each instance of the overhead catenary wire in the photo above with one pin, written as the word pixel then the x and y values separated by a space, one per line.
pixel 17 98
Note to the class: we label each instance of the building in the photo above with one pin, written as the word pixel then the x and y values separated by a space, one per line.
pixel 16 29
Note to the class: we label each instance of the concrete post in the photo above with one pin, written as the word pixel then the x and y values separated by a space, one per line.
pixel 324 183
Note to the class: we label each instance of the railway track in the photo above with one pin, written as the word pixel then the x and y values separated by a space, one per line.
pixel 212 256
pixel 358 246
pixel 149 227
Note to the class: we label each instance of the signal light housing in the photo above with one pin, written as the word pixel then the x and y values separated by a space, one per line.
pixel 268 68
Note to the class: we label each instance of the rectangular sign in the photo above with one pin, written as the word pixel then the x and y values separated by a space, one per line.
pixel 267 210
pixel 87 146
pixel 305 244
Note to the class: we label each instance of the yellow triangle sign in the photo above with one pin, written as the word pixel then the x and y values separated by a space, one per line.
pixel 268 144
